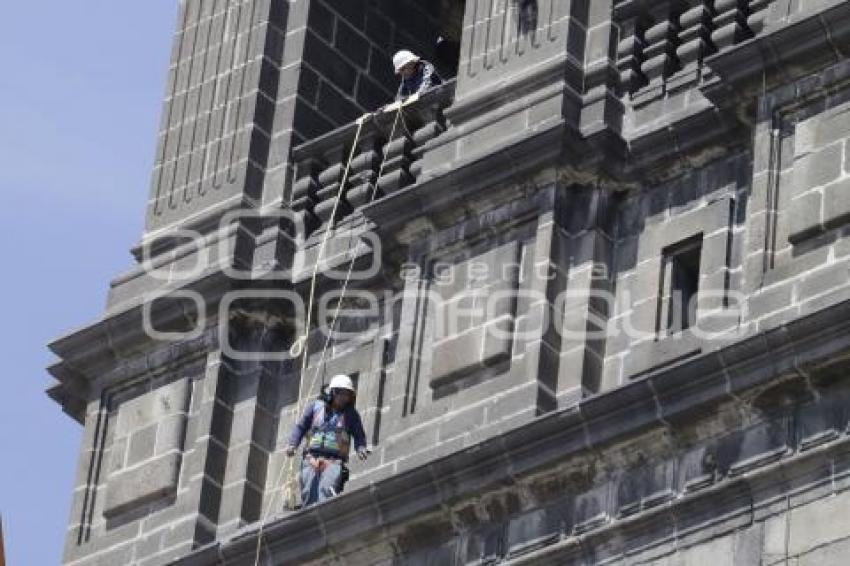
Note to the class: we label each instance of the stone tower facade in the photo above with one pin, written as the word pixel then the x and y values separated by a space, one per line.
pixel 593 290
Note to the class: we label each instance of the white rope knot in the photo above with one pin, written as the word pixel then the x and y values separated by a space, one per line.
pixel 297 347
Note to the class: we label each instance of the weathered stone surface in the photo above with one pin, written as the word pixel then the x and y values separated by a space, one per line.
pixel 537 406
pixel 477 299
pixel 147 448
pixel 139 485
pixel 151 408
pixel 818 524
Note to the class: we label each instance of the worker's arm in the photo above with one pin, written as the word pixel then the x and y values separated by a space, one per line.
pixel 300 429
pixel 359 434
pixel 430 78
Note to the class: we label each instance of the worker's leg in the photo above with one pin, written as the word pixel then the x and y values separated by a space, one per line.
pixel 344 476
pixel 330 480
pixel 309 483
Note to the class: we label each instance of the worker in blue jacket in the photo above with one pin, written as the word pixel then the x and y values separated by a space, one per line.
pixel 328 427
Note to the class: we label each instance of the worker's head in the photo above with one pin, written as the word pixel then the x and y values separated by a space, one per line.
pixel 405 63
pixel 342 391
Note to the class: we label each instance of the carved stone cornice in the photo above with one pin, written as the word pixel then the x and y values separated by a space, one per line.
pixel 118 347
pixel 788 52
pixel 654 401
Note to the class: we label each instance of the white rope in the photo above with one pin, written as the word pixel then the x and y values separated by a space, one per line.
pixel 303 350
pixel 303 339
pixel 347 280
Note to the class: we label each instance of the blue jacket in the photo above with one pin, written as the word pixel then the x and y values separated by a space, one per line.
pixel 426 77
pixel 318 415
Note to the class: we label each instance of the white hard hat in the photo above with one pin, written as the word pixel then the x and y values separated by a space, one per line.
pixel 341 381
pixel 402 58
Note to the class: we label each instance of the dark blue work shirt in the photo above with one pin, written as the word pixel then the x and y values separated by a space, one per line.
pixel 424 78
pixel 319 415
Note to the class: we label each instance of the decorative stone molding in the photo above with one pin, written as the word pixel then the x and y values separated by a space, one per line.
pixel 147 448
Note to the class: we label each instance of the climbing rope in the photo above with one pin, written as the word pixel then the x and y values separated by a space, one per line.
pixel 301 346
pixel 347 279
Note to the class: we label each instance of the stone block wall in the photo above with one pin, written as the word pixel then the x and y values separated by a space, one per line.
pixel 707 207
pixel 472 333
pixel 501 37
pixel 217 117
pixel 146 453
pixel 147 448
pixel 535 384
pixel 740 467
pixel 795 257
pixel 246 77
pixel 541 46
pixel 446 382
pixel 814 137
pixel 347 67
pixel 467 343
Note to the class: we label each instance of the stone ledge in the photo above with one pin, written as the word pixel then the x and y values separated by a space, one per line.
pixel 796 49
pixel 613 416
pixel 466 177
pixel 143 484
pixel 742 509
pixel 108 351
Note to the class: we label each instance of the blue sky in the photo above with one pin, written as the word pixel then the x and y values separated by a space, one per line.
pixel 80 96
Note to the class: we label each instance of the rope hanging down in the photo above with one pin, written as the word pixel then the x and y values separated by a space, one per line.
pixel 300 346
pixel 347 279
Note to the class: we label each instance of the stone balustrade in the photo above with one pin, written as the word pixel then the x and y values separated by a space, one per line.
pixel 661 39
pixel 386 159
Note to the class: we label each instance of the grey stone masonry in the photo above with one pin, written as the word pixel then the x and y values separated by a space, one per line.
pixel 593 291
pixel 467 335
pixel 147 448
pixel 220 102
pixel 348 55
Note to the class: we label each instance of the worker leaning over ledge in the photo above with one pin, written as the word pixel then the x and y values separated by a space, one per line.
pixel 328 425
pixel 417 75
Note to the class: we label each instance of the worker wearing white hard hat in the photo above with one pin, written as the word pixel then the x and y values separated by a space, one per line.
pixel 417 75
pixel 328 427
pixel 341 382
pixel 402 59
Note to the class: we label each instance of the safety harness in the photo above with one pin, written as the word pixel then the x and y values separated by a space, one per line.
pixel 300 346
pixel 328 436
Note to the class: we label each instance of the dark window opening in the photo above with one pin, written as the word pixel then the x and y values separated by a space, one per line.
pixel 447 42
pixel 527 15
pixel 680 267
pixel 348 55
